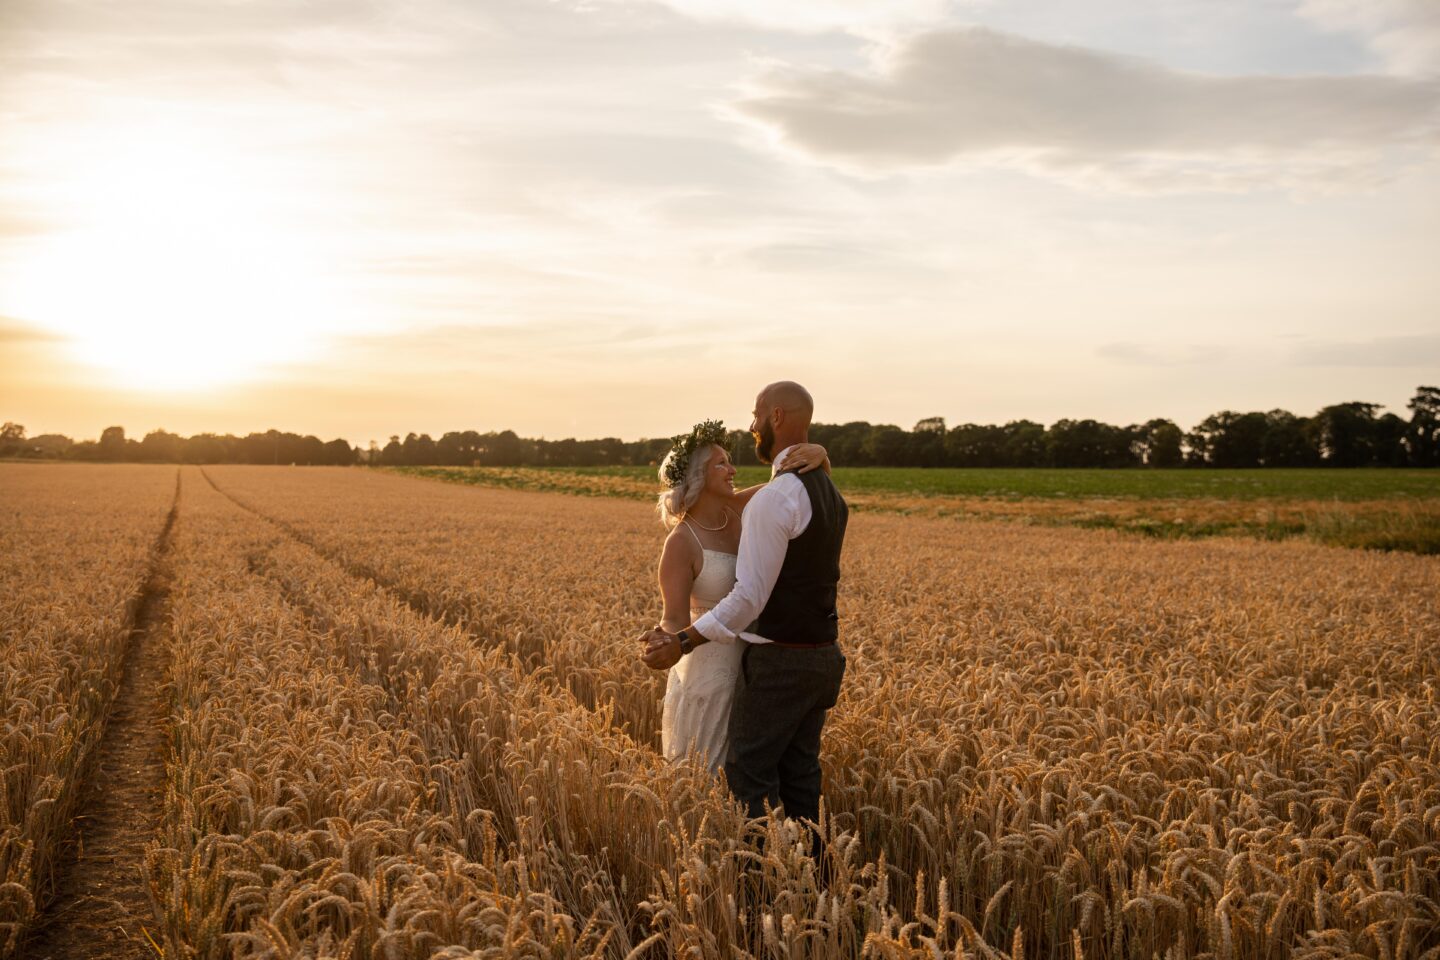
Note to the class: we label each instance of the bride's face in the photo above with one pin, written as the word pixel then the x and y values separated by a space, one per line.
pixel 720 474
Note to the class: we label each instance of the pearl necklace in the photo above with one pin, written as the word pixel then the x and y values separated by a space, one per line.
pixel 723 524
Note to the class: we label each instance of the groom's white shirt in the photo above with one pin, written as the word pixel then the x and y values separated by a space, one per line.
pixel 774 516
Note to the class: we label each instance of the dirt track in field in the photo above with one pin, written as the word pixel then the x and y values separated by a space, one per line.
pixel 101 908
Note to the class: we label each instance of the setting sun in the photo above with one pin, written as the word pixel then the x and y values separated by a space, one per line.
pixel 178 267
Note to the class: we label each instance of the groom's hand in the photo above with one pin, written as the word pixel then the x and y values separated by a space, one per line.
pixel 653 637
pixel 662 650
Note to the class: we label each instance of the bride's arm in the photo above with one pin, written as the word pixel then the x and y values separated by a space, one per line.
pixel 814 456
pixel 809 455
pixel 677 578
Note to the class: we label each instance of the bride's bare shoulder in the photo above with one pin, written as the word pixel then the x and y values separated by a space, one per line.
pixel 681 540
pixel 680 545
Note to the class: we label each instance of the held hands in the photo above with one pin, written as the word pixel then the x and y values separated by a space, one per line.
pixel 662 650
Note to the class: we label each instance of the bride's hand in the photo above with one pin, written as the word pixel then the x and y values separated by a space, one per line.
pixel 806 457
pixel 662 652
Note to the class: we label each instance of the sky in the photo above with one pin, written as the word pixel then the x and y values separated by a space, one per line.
pixel 592 218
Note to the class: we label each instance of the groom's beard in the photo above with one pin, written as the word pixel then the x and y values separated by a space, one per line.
pixel 765 443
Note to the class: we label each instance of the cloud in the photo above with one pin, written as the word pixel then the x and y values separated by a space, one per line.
pixel 811 16
pixel 1409 351
pixel 840 259
pixel 1089 117
pixel 465 348
pixel 21 225
pixel 18 331
pixel 1406 33
pixel 1158 355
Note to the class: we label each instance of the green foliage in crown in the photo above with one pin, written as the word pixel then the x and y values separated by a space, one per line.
pixel 683 446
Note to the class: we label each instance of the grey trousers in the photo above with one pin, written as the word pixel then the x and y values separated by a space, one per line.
pixel 781 699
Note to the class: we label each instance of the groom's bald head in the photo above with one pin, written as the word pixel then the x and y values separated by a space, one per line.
pixel 789 396
pixel 782 417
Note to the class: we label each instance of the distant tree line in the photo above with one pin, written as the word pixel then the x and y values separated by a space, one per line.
pixel 161 446
pixel 1341 435
pixel 508 449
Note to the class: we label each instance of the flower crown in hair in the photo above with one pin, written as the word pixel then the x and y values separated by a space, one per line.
pixel 685 444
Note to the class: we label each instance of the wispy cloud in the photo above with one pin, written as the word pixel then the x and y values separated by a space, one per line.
pixel 470 347
pixel 1162 355
pixel 1405 33
pixel 18 331
pixel 1085 116
pixel 836 260
pixel 809 16
pixel 1411 351
pixel 15 225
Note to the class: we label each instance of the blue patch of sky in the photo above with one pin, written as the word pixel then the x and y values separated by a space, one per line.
pixel 1224 37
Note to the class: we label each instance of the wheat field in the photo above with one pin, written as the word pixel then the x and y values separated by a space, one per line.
pixel 406 719
pixel 75 546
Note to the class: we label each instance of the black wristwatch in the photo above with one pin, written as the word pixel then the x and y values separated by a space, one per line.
pixel 686 644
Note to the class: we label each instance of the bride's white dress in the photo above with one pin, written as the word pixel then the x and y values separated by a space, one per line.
pixel 702 685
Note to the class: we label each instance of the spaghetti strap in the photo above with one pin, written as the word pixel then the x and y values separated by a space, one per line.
pixel 694 534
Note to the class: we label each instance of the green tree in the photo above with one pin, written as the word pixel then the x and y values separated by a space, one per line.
pixel 393 454
pixel 846 442
pixel 1422 439
pixel 203 448
pixel 504 449
pixel 1158 443
pixel 927 443
pixel 160 446
pixel 886 445
pixel 1346 434
pixel 1229 439
pixel 85 450
pixel 1287 441
pixel 742 449
pixel 112 443
pixel 307 450
pixel 931 425
pixel 1023 444
pixel 975 445
pixel 339 453
pixel 48 445
pixel 1389 441
pixel 12 439
pixel 1090 443
pixel 418 450
pixel 458 449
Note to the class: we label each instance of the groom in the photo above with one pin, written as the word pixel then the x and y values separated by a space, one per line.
pixel 783 609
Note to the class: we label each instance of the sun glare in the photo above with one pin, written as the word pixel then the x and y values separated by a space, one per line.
pixel 177 269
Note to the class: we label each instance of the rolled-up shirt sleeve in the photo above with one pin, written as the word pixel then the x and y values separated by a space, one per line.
pixel 770 523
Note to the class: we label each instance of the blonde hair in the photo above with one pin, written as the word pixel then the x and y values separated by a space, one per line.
pixel 675 500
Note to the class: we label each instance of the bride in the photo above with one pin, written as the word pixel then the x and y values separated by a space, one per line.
pixel 702 510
